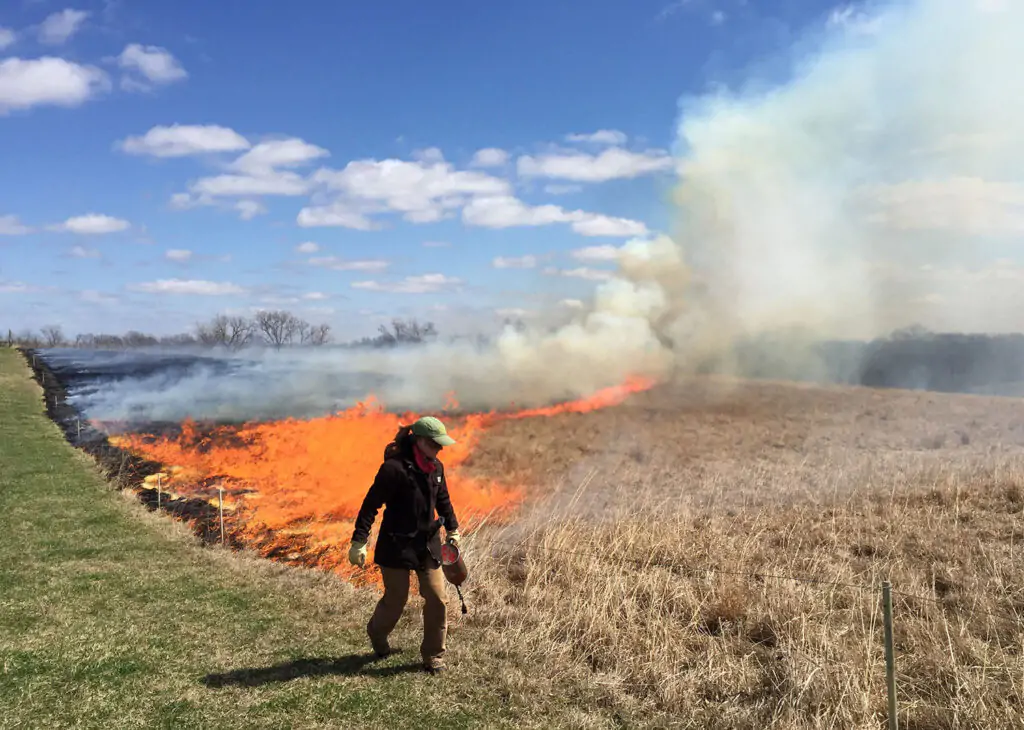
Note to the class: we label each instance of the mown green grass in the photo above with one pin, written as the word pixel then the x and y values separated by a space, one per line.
pixel 111 616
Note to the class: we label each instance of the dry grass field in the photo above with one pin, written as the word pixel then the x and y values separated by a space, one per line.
pixel 657 570
pixel 708 554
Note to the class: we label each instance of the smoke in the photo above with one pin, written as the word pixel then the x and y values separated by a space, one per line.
pixel 871 185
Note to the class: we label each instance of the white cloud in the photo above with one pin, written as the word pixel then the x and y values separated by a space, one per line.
pixel 58 28
pixel 334 215
pixel 178 254
pixel 337 264
pixel 489 157
pixel 961 205
pixel 582 272
pixel 7 37
pixel 255 173
pixel 308 247
pixel 410 285
pixel 610 164
pixel 11 226
pixel 188 286
pixel 271 183
pixel 423 192
pixel 180 140
pixel 572 303
pixel 601 136
pixel 249 209
pixel 81 252
pixel 92 224
pixel 266 157
pixel 596 253
pixel 506 212
pixel 155 66
pixel 47 81
pixel 718 17
pixel 522 262
pixel 314 296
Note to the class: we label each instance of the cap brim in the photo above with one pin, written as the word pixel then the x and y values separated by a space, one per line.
pixel 444 440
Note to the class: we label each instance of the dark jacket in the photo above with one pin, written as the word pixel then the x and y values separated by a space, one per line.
pixel 411 497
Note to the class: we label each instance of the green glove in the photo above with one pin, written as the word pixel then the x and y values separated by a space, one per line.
pixel 454 537
pixel 357 554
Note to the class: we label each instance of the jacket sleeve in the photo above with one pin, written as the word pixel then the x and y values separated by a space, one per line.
pixel 444 506
pixel 378 494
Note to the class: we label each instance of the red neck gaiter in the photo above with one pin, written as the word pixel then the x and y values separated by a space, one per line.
pixel 425 464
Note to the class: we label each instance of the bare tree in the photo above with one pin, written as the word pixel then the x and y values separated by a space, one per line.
pixel 280 328
pixel 53 335
pixel 138 339
pixel 231 332
pixel 317 334
pixel 404 332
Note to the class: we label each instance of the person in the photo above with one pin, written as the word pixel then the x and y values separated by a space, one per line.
pixel 411 484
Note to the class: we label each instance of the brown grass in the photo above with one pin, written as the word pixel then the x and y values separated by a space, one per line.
pixel 637 577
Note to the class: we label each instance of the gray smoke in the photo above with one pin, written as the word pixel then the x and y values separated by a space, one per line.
pixel 872 187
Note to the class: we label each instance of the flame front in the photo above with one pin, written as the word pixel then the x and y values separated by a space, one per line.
pixel 292 488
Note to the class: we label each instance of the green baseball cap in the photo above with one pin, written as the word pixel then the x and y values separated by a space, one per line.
pixel 432 428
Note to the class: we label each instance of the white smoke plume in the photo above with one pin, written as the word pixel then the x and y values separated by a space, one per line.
pixel 878 183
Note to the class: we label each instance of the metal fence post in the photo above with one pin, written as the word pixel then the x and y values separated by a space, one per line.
pixel 890 654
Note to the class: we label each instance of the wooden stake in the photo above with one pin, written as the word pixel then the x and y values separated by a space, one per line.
pixel 890 654
pixel 220 506
pixel 79 419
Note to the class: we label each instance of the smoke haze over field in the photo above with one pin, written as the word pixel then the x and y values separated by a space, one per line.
pixel 876 185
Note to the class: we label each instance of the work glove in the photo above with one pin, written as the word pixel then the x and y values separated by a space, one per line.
pixel 454 537
pixel 357 554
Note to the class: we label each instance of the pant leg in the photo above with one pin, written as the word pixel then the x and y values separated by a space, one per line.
pixel 435 616
pixel 390 606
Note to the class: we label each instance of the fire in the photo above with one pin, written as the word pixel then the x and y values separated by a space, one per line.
pixel 291 488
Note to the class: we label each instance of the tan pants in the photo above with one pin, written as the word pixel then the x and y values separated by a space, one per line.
pixel 392 603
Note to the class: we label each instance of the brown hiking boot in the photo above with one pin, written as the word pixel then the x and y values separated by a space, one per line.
pixel 380 648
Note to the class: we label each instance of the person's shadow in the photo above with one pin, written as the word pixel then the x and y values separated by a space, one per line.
pixel 306 667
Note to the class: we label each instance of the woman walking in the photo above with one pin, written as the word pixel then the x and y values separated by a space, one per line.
pixel 410 483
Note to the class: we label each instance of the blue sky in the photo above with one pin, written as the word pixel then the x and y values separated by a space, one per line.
pixel 162 162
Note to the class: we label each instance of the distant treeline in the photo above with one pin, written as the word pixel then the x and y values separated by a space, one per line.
pixel 272 328
pixel 913 359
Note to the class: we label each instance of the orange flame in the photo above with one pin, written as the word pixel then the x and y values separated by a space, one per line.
pixel 292 488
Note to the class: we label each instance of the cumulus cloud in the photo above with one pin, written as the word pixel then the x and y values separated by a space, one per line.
pixel 249 209
pixel 148 66
pixel 601 136
pixel 10 225
pixel 506 211
pixel 489 157
pixel 422 191
pixel 423 284
pixel 266 157
pixel 48 81
pixel 181 140
pixel 609 164
pixel 198 287
pixel 92 224
pixel 58 28
pixel 308 247
pixel 581 272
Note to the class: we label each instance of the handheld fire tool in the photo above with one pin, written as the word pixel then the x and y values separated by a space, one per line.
pixel 453 566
